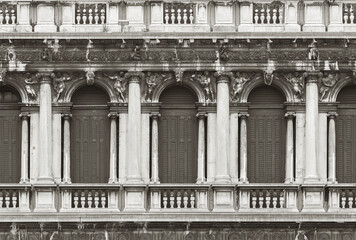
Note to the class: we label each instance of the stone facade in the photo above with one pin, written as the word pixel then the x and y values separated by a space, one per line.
pixel 222 51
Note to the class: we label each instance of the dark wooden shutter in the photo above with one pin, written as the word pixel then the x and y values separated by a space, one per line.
pixel 90 137
pixel 10 136
pixel 346 136
pixel 266 136
pixel 178 136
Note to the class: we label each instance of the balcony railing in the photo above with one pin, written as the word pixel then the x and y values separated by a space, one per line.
pixel 9 199
pixel 268 13
pixel 349 16
pixel 271 198
pixel 14 197
pixel 179 13
pixel 90 14
pixel 8 14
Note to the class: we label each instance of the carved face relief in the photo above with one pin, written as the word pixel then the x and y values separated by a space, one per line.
pixel 90 75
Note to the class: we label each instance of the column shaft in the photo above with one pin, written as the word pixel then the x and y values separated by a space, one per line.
pixel 66 148
pixel 223 101
pixel 113 147
pixel 154 148
pixel 56 146
pixel 332 148
pixel 24 148
pixel 243 148
pixel 122 146
pixel 289 149
pixel 145 147
pixel 45 166
pixel 234 141
pixel 134 127
pixel 211 147
pixel 34 146
pixel 311 128
pixel 300 147
pixel 201 147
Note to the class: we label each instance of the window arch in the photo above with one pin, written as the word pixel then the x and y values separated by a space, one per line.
pixel 178 128
pixel 10 135
pixel 266 135
pixel 90 138
pixel 346 135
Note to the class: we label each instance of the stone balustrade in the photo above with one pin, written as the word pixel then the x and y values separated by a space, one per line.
pixel 9 199
pixel 14 198
pixel 274 198
pixel 170 16
pixel 342 197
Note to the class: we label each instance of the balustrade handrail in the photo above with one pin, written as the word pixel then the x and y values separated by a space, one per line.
pixel 89 186
pixel 13 186
pixel 257 186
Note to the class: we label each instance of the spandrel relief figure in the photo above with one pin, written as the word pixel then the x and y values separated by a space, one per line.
pixel 151 82
pixel 297 81
pixel 59 84
pixel 30 81
pixel 237 82
pixel 327 82
pixel 119 85
pixel 208 85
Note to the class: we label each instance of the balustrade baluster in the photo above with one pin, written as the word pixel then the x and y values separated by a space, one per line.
pixel 96 199
pixel 7 199
pixel 90 199
pixel 254 199
pixel 13 17
pixel 78 15
pixel 179 199
pixel 256 16
pixel 281 199
pixel 274 17
pixel 280 14
pixel 96 13
pixel 1 17
pixel 352 16
pixel 268 18
pixel 171 199
pixel 268 199
pixel 192 200
pixel 84 17
pixel 343 200
pixel 7 16
pixel 263 16
pixel 260 199
pixel 82 199
pixel 102 17
pixel 165 199
pixel 191 16
pixel 166 18
pixel 90 18
pixel 185 199
pixel 103 200
pixel 76 200
pixel 173 16
pixel 1 199
pixel 350 199
pixel 179 17
pixel 14 200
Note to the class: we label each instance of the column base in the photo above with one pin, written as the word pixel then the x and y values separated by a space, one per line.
pixel 332 181
pixel 289 180
pixel 312 179
pixel 201 181
pixel 67 181
pixel 45 180
pixel 22 181
pixel 134 179
pixel 222 179
pixel 113 180
pixel 243 180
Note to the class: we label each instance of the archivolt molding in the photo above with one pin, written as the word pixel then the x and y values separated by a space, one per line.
pixel 340 81
pixel 26 84
pixel 186 80
pixel 278 81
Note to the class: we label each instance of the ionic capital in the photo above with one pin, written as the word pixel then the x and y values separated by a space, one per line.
pixel 223 76
pixel 24 115
pixel 66 116
pixel 244 115
pixel 202 115
pixel 289 115
pixel 135 77
pixel 312 76
pixel 45 77
pixel 332 115
pixel 113 115
pixel 155 115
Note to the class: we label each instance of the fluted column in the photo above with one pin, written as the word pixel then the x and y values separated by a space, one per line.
pixel 243 147
pixel 134 126
pixel 113 147
pixel 222 131
pixel 66 148
pixel 201 147
pixel 24 147
pixel 289 148
pixel 311 126
pixel 45 164
pixel 154 148
pixel 332 148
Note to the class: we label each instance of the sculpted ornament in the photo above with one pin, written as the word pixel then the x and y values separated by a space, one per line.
pixel 90 75
pixel 2 76
pixel 179 75
pixel 297 81
pixel 208 84
pixel 238 80
pixel 150 83
pixel 268 76
pixel 327 82
pixel 30 81
pixel 59 80
pixel 119 85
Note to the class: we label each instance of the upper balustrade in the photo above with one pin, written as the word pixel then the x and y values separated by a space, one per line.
pixel 178 16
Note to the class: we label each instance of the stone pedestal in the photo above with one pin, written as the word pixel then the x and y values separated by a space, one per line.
pixel 134 199
pixel 44 199
pixel 135 16
pixel 223 199
pixel 314 16
pixel 336 17
pixel 224 20
pixel 291 21
pixel 23 17
pixel 313 198
pixel 45 18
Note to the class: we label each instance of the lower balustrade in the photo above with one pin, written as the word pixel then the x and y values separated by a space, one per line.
pixel 167 197
pixel 14 198
pixel 342 197
pixel 270 197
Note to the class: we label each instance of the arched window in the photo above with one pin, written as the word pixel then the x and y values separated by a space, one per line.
pixel 346 136
pixel 266 136
pixel 10 135
pixel 90 136
pixel 178 136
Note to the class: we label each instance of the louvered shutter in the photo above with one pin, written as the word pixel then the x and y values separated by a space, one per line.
pixel 346 136
pixel 266 136
pixel 90 136
pixel 177 137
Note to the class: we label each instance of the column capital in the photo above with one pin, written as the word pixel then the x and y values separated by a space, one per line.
pixel 155 115
pixel 24 115
pixel 223 76
pixel 312 76
pixel 45 77
pixel 290 115
pixel 134 77
pixel 201 115
pixel 244 115
pixel 66 116
pixel 113 115
pixel 332 115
